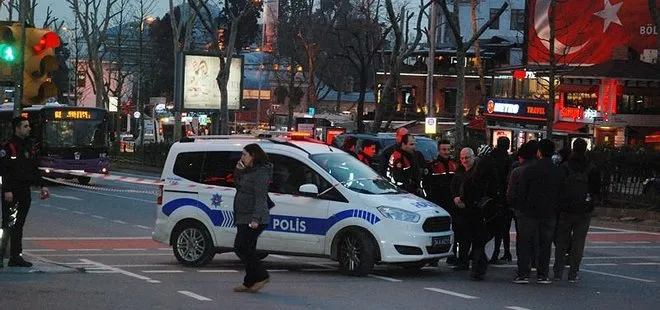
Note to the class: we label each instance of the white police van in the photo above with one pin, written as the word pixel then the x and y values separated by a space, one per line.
pixel 327 204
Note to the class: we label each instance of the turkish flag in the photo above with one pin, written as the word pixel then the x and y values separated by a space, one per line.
pixel 587 31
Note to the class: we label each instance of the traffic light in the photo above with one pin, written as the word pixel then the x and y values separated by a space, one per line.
pixel 9 38
pixel 39 61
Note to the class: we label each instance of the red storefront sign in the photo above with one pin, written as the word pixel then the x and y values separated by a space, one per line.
pixel 570 113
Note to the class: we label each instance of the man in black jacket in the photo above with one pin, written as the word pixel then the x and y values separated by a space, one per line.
pixel 576 204
pixel 503 163
pixel 19 169
pixel 540 186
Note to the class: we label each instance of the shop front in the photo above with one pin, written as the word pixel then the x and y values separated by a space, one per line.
pixel 525 120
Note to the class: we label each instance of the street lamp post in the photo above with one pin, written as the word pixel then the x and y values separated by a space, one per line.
pixel 140 104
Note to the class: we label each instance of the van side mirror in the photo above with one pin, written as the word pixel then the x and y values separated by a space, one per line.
pixel 309 190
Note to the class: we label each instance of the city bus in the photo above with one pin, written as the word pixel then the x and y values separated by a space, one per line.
pixel 65 137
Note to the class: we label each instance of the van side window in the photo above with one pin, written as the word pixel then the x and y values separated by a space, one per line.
pixel 289 174
pixel 189 165
pixel 219 167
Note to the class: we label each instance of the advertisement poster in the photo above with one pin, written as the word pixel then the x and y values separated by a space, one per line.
pixel 200 89
pixel 587 31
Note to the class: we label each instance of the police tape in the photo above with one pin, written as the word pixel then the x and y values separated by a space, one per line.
pixel 97 188
pixel 108 177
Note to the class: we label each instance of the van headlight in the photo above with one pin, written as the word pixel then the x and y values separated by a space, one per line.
pixel 399 214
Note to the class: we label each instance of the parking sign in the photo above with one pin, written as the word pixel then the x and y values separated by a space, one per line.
pixel 430 127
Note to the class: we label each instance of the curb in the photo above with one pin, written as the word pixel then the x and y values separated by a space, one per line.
pixel 645 226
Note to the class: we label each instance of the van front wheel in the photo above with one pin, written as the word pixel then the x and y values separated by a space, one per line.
pixel 193 245
pixel 356 254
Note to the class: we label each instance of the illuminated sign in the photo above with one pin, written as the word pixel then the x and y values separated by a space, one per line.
pixel 516 109
pixel 571 113
pixel 200 85
pixel 72 114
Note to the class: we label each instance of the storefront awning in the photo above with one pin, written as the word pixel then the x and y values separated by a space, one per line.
pixel 477 124
pixel 567 127
pixel 654 137
pixel 564 88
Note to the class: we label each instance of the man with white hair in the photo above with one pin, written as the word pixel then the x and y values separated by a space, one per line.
pixel 461 229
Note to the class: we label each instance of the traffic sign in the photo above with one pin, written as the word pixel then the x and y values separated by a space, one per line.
pixel 430 125
pixel 137 114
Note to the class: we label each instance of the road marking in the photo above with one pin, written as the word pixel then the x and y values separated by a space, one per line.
pixel 437 290
pixel 66 197
pixel 162 271
pixel 637 242
pixel 602 242
pixel 601 264
pixel 193 295
pixel 119 222
pixel 384 278
pixel 106 254
pixel 129 249
pixel 141 226
pixel 316 270
pixel 111 195
pixel 516 308
pixel 99 217
pixel 100 271
pixel 621 257
pixel 618 276
pixel 217 271
pixel 624 230
pixel 78 212
pixel 40 250
pixel 87 238
pixel 43 204
pixel 643 264
pixel 163 249
pixel 84 250
pixel 61 209
pixel 622 247
pixel 278 270
pixel 124 272
pixel 279 256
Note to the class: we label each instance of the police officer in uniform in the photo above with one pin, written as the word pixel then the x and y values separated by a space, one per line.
pixel 20 170
pixel 405 169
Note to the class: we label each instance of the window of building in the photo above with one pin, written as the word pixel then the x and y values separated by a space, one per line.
pixel 517 19
pixel 637 104
pixel 189 166
pixel 450 101
pixel 496 23
pixel 585 100
pixel 218 168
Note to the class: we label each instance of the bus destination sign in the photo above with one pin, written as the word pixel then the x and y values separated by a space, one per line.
pixel 72 114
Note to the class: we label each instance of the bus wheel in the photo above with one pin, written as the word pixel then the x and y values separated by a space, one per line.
pixel 84 180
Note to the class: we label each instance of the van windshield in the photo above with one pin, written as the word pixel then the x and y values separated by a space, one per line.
pixel 353 174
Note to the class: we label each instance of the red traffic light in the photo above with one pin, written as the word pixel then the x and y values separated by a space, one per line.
pixel 48 40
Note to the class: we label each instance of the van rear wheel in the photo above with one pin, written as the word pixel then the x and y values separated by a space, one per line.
pixel 356 254
pixel 84 180
pixel 193 245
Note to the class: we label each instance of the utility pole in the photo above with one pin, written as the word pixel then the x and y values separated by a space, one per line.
pixel 20 65
pixel 433 24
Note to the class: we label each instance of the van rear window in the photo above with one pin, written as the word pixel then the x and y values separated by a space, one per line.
pixel 189 166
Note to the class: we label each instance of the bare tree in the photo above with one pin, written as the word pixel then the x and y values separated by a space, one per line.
pixel 93 20
pixel 401 49
pixel 225 55
pixel 360 40
pixel 478 63
pixel 181 39
pixel 461 50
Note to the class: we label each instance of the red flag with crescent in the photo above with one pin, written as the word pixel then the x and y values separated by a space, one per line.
pixel 587 31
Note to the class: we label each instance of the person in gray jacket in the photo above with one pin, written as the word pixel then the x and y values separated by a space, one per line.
pixel 253 174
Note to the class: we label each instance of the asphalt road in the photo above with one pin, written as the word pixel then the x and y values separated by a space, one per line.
pixel 93 250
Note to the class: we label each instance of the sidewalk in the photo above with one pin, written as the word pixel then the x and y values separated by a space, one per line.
pixel 630 219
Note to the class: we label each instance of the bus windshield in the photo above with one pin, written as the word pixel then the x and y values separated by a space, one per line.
pixel 74 133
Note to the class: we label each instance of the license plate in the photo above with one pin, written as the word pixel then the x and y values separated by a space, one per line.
pixel 440 241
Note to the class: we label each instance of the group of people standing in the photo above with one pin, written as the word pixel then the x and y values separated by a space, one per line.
pixel 550 201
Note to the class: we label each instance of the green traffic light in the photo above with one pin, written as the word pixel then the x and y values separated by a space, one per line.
pixel 7 53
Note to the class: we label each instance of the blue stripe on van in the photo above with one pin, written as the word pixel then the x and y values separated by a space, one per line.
pixel 280 223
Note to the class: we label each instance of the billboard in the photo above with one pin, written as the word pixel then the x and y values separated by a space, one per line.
pixel 200 89
pixel 587 31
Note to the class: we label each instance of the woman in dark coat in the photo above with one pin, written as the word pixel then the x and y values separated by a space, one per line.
pixel 253 173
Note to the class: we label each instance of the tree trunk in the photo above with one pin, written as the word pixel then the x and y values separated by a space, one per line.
pixel 460 93
pixel 550 111
pixel 360 103
pixel 478 62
